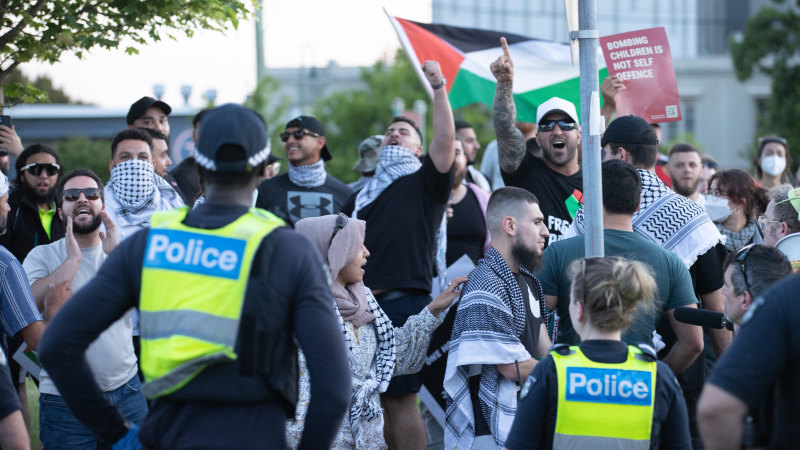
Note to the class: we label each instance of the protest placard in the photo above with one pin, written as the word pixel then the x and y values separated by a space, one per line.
pixel 642 61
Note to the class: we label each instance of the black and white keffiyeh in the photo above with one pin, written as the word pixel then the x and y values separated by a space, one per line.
pixel 487 330
pixel 309 176
pixel 135 192
pixel 395 162
pixel 364 405
pixel 672 221
pixel 750 234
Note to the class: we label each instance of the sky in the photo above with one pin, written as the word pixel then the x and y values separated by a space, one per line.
pixel 298 33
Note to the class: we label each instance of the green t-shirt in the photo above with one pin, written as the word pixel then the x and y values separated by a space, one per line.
pixel 671 275
pixel 46 216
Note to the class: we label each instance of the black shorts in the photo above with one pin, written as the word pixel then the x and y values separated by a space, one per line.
pixel 399 306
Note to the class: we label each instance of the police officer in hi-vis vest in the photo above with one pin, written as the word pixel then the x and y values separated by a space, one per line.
pixel 602 393
pixel 225 291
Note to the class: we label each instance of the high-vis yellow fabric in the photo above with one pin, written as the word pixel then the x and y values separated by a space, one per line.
pixel 604 405
pixel 192 292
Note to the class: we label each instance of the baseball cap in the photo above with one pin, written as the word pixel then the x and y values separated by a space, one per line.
pixel 557 104
pixel 141 106
pixel 629 130
pixel 232 124
pixel 369 153
pixel 312 124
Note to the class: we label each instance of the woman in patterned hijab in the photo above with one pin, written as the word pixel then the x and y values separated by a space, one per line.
pixel 376 349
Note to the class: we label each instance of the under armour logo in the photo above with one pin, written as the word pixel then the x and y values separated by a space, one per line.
pixel 302 205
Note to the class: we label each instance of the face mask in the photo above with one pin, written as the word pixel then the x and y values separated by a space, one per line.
pixel 717 208
pixel 773 165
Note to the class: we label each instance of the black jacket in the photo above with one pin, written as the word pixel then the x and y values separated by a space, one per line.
pixel 24 228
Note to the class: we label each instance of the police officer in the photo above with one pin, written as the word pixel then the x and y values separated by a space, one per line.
pixel 602 392
pixel 224 292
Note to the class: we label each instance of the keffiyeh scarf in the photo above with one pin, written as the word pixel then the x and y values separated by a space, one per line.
pixel 137 192
pixel 478 345
pixel 395 162
pixel 736 240
pixel 365 405
pixel 308 176
pixel 672 221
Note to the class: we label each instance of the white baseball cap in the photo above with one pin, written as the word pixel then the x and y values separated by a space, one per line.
pixel 557 104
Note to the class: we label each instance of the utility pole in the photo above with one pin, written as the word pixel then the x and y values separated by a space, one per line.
pixel 592 123
pixel 261 67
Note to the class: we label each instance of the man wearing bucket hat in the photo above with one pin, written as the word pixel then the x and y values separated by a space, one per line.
pixel 306 190
pixel 369 155
pixel 224 293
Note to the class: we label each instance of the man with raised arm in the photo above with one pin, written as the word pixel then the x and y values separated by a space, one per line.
pixel 403 205
pixel 555 178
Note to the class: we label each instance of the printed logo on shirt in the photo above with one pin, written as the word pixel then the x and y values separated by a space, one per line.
pixel 556 227
pixel 202 254
pixel 624 387
pixel 302 205
pixel 536 308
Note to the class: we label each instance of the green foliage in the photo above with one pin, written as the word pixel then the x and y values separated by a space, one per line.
pixel 43 30
pixel 272 109
pixel 18 88
pixel 79 151
pixel 770 44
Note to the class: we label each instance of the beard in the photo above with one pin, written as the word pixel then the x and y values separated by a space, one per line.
pixel 81 228
pixel 37 199
pixel 685 189
pixel 529 258
pixel 547 153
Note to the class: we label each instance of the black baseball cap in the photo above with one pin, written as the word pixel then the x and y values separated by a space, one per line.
pixel 313 125
pixel 141 106
pixel 629 130
pixel 235 125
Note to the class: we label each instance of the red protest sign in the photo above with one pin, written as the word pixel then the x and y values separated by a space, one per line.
pixel 642 61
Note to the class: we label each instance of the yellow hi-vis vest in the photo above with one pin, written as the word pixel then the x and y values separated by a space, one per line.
pixel 604 406
pixel 193 288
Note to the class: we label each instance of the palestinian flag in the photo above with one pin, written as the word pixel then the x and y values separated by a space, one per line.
pixel 542 69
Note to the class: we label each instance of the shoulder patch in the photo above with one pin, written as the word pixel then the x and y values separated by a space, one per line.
pixel 3 360
pixel 648 352
pixel 526 388
pixel 561 349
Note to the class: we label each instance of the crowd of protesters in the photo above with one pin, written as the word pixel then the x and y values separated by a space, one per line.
pixel 219 305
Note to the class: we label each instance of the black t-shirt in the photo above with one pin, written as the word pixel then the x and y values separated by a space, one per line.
pixel 466 230
pixel 401 228
pixel 559 196
pixel 289 201
pixel 295 272
pixel 533 311
pixel 185 174
pixel 765 355
pixel 534 424
pixel 9 399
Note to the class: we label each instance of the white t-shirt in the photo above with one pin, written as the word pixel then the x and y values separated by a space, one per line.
pixel 111 356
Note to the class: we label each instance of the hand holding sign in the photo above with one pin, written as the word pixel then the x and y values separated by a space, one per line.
pixel 503 67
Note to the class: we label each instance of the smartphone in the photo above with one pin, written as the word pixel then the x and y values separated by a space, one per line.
pixel 6 120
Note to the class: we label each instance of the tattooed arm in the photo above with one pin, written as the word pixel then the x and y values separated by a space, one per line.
pixel 510 141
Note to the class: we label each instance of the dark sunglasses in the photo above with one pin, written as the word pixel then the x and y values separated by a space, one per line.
pixel 341 222
pixel 741 258
pixel 36 169
pixel 565 125
pixel 73 195
pixel 297 134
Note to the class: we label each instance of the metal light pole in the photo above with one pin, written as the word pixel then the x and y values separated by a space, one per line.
pixel 261 67
pixel 592 125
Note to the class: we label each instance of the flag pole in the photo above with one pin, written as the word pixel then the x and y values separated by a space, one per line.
pixel 593 126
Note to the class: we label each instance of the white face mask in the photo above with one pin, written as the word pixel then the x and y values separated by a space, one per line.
pixel 717 208
pixel 773 164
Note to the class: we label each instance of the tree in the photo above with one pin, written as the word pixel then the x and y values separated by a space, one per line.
pixel 351 116
pixel 770 44
pixel 43 84
pixel 43 30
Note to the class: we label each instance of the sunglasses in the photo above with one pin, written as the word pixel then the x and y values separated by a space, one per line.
pixel 297 134
pixel 565 125
pixel 73 195
pixel 341 222
pixel 36 169
pixel 741 259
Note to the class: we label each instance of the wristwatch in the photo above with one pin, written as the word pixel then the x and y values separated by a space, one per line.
pixel 440 85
